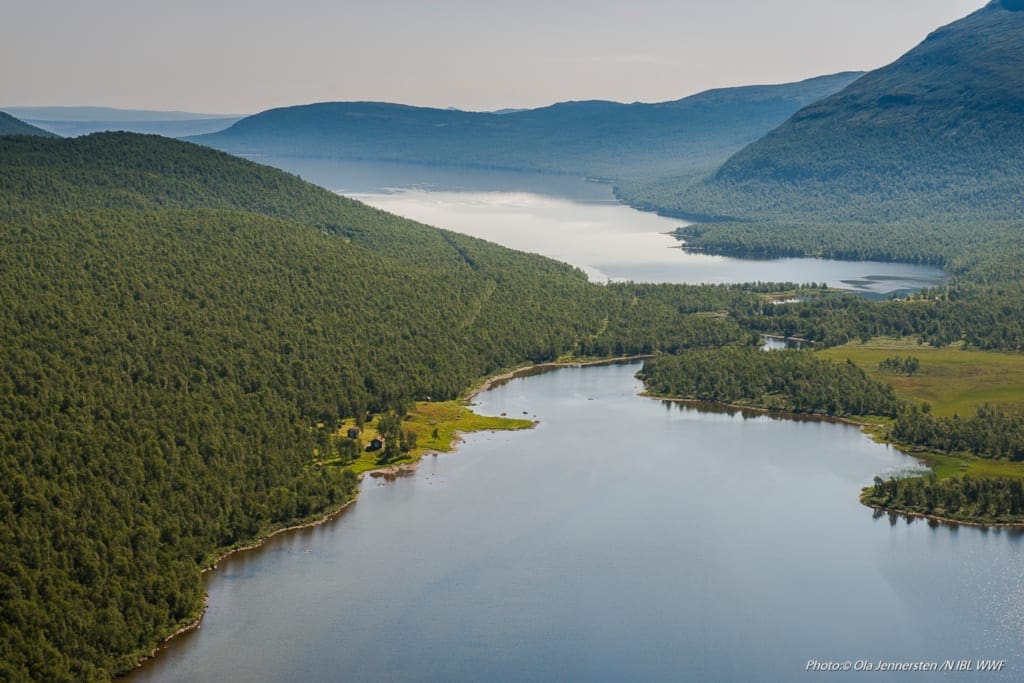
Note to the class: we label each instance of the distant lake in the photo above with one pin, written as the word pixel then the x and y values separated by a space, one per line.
pixel 581 223
pixel 623 539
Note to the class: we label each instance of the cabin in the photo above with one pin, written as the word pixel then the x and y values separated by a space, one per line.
pixel 375 445
pixel 353 433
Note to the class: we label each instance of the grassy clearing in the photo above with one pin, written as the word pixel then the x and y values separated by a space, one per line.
pixel 437 426
pixel 956 466
pixel 951 380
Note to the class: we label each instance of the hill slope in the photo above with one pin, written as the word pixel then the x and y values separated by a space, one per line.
pixel 12 126
pixel 936 136
pixel 175 324
pixel 595 138
pixel 179 333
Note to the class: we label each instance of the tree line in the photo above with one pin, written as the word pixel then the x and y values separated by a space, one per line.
pixel 787 380
pixel 983 500
pixel 990 433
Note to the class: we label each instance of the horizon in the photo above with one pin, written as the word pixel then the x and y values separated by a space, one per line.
pixel 446 56
pixel 9 108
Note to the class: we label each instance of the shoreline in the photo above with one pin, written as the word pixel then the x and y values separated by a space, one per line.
pixel 386 472
pixel 196 622
pixel 816 417
pixel 497 380
pixel 939 519
pixel 391 472
pixel 771 412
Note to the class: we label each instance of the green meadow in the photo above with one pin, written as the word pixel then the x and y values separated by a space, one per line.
pixel 952 380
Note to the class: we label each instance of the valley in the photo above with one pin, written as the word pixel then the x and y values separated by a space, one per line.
pixel 297 316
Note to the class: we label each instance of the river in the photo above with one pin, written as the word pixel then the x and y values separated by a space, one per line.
pixel 624 538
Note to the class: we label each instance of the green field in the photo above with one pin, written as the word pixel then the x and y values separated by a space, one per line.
pixel 952 380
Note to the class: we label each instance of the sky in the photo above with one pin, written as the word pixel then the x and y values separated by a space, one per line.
pixel 244 56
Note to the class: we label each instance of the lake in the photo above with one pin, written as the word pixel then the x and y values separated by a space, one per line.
pixel 623 538
pixel 581 223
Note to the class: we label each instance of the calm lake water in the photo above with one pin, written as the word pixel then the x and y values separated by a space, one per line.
pixel 581 223
pixel 622 539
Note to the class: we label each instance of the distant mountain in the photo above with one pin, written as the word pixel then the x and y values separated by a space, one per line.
pixel 168 129
pixel 76 121
pixel 110 114
pixel 12 126
pixel 593 138
pixel 939 132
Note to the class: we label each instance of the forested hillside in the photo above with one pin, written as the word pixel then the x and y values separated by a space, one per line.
pixel 600 139
pixel 13 126
pixel 919 159
pixel 177 324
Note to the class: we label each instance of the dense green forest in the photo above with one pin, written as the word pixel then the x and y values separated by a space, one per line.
pixel 178 323
pixel 608 140
pixel 789 380
pixel 175 324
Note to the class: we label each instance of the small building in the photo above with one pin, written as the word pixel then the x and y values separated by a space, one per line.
pixel 353 433
pixel 375 445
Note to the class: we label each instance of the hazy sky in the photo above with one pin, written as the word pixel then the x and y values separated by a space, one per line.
pixel 242 56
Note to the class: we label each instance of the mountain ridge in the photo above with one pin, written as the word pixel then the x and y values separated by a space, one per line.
pixel 596 138
pixel 940 131
pixel 75 121
pixel 86 113
pixel 11 125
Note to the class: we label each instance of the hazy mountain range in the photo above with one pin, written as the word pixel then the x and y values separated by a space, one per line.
pixel 939 131
pixel 75 121
pixel 10 125
pixel 592 138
